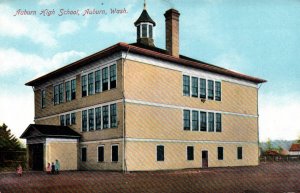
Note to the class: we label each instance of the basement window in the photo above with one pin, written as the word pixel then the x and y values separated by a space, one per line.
pixel 83 154
pixel 239 153
pixel 220 153
pixel 160 153
pixel 114 153
pixel 190 152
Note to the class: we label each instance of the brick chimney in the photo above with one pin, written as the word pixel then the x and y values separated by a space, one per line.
pixel 172 32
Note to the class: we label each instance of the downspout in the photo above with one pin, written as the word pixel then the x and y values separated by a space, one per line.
pixel 124 111
pixel 258 124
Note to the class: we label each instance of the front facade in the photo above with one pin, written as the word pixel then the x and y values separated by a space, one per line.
pixel 138 107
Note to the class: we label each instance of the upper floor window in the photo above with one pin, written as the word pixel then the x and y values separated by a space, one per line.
pixel 144 30
pixel 56 94
pixel 210 89
pixel 43 93
pixel 203 121
pixel 186 120
pixel 98 117
pixel 84 120
pixel 73 89
pixel 91 119
pixel 113 76
pixel 84 85
pixel 195 121
pixel 194 87
pixel 61 93
pixel 68 90
pixel 105 116
pixel 62 120
pixel 68 119
pixel 91 83
pixel 105 79
pixel 211 122
pixel 150 31
pixel 218 91
pixel 73 118
pixel 202 88
pixel 97 81
pixel 218 122
pixel 186 85
pixel 113 115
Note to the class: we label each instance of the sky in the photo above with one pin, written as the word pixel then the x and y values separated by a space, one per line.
pixel 255 37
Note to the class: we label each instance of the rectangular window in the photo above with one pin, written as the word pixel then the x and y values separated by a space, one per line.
pixel 91 83
pixel 104 79
pixel 240 153
pixel 68 119
pixel 83 154
pixel 113 76
pixel 105 117
pixel 84 85
pixel 56 94
pixel 68 90
pixel 186 120
pixel 100 153
pixel 203 121
pixel 73 89
pixel 218 91
pixel 43 93
pixel 113 115
pixel 114 153
pixel 195 121
pixel 144 30
pixel 91 119
pixel 61 93
pixel 210 89
pixel 84 120
pixel 220 153
pixel 62 120
pixel 98 81
pixel 150 31
pixel 98 118
pixel 218 122
pixel 160 153
pixel 73 118
pixel 202 88
pixel 190 152
pixel 194 87
pixel 186 85
pixel 211 125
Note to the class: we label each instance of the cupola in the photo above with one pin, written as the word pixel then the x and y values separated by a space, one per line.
pixel 144 27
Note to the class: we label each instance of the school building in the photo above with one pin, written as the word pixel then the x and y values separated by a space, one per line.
pixel 136 107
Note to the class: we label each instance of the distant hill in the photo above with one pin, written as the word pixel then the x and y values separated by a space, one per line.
pixel 285 144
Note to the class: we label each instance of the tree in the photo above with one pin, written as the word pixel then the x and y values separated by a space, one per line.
pixel 7 140
pixel 269 144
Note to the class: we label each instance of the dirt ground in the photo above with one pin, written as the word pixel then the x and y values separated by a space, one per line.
pixel 267 177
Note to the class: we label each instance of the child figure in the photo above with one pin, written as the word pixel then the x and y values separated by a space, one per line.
pixel 52 168
pixel 57 166
pixel 48 168
pixel 19 170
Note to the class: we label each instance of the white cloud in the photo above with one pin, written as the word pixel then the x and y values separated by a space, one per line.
pixel 68 27
pixel 12 59
pixel 279 117
pixel 25 26
pixel 231 60
pixel 47 2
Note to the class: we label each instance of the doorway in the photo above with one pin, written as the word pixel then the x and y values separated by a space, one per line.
pixel 204 159
pixel 36 156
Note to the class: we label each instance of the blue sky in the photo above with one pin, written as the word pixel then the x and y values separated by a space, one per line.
pixel 255 37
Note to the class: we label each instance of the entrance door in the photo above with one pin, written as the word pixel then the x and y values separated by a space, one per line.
pixel 36 153
pixel 204 159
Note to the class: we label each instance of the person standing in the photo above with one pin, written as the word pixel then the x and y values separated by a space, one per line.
pixel 48 168
pixel 57 166
pixel 52 168
pixel 19 170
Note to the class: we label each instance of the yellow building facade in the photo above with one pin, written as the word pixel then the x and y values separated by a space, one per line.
pixel 136 107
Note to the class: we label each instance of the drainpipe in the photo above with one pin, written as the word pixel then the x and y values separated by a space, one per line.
pixel 258 124
pixel 124 112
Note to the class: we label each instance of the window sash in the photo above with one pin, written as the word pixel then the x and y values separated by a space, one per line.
pixel 68 90
pixel 113 115
pixel 186 120
pixel 160 153
pixel 211 122
pixel 73 118
pixel 105 79
pixel 218 91
pixel 202 88
pixel 91 119
pixel 43 93
pixel 203 124
pixel 67 119
pixel 195 121
pixel 84 120
pixel 98 118
pixel 56 94
pixel 98 81
pixel 105 117
pixel 61 93
pixel 144 30
pixel 113 76
pixel 73 89
pixel 194 87
pixel 186 85
pixel 62 120
pixel 91 83
pixel 84 85
pixel 218 122
pixel 210 89
pixel 150 31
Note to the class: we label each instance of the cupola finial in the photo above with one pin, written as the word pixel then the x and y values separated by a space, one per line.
pixel 145 6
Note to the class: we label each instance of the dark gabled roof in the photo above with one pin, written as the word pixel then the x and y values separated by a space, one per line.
pixel 295 147
pixel 146 51
pixel 50 131
pixel 144 17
